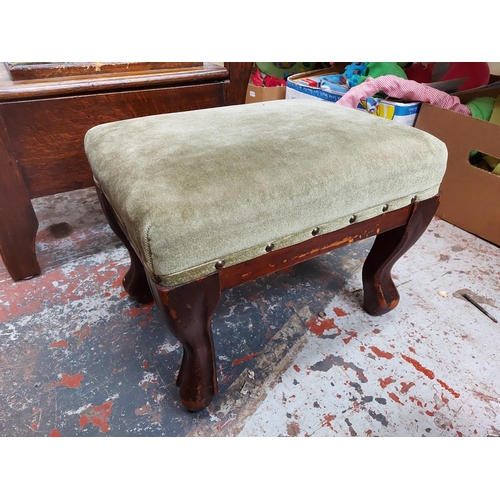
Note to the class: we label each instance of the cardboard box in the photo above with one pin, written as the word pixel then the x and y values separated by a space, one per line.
pixel 391 109
pixel 260 94
pixel 470 196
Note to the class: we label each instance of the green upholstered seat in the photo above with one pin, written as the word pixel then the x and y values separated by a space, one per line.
pixel 201 186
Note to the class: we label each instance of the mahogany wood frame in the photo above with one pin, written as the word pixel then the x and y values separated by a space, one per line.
pixel 43 122
pixel 188 308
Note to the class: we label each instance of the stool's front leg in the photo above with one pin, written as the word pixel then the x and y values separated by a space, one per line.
pixel 188 310
pixel 135 281
pixel 380 293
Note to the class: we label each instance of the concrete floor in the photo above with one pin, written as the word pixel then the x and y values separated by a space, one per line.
pixel 296 354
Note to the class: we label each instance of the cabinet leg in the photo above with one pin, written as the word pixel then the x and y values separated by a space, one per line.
pixel 18 221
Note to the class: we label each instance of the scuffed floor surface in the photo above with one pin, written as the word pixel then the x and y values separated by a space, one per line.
pixel 296 354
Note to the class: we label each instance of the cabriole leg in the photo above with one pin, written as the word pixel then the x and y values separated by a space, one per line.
pixel 135 281
pixel 380 293
pixel 188 310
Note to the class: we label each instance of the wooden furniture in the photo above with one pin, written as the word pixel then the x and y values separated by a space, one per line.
pixel 207 200
pixel 46 108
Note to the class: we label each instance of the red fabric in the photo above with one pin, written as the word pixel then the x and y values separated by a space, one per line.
pixel 477 74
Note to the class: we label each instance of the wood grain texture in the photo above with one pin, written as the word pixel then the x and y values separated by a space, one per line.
pixel 45 120
pixel 37 70
pixel 18 222
pixel 47 135
pixel 52 87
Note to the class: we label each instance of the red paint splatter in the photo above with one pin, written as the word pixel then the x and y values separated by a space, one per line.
pixel 395 398
pixel 71 381
pixel 60 343
pixel 459 434
pixel 381 354
pixel 328 421
pixel 55 433
pixel 318 325
pixel 296 368
pixel 145 364
pixel 375 331
pixel 97 416
pixel 406 387
pixel 412 350
pixel 362 348
pixel 448 388
pixel 369 432
pixel 351 336
pixel 245 358
pixel 135 311
pixel 31 296
pixel 415 400
pixel 430 413
pixel 339 312
pixel 475 432
pixel 444 399
pixel 385 382
pixel 34 426
pixel 419 367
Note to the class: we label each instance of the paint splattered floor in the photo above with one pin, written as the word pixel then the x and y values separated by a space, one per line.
pixel 296 354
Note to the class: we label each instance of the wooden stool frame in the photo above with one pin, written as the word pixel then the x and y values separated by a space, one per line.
pixel 188 308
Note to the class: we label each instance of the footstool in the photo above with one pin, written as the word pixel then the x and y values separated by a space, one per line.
pixel 207 200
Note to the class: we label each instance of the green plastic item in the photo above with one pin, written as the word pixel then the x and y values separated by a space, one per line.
pixel 376 69
pixel 481 107
pixel 284 69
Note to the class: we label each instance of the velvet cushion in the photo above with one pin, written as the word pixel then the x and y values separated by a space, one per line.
pixel 196 187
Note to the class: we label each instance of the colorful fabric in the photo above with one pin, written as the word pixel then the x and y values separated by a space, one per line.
pixel 400 88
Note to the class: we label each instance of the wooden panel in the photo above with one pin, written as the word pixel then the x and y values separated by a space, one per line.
pixel 35 89
pixel 34 70
pixel 47 135
pixel 290 256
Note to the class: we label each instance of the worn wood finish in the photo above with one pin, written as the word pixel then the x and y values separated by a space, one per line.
pixel 188 308
pixel 37 70
pixel 44 122
pixel 53 87
pixel 188 313
pixel 290 256
pixel 380 293
pixel 18 221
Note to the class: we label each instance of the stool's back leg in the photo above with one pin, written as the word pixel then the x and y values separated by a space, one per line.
pixel 380 293
pixel 188 310
pixel 135 281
